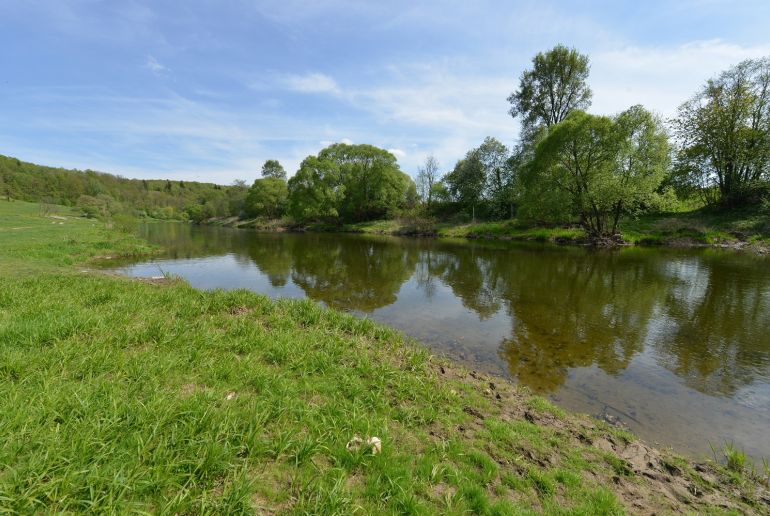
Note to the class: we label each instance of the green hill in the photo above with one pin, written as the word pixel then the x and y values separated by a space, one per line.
pixel 99 193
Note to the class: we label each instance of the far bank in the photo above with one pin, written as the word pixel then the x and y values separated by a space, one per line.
pixel 747 229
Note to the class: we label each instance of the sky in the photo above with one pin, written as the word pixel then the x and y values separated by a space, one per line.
pixel 208 90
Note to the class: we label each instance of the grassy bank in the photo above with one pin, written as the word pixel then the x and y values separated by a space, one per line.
pixel 747 228
pixel 122 395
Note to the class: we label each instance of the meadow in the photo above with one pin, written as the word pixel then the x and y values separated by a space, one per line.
pixel 149 396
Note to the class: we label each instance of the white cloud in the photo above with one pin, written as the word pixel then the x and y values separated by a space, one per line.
pixel 312 83
pixel 326 143
pixel 661 78
pixel 398 153
pixel 154 66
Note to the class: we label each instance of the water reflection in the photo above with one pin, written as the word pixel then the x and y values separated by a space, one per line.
pixel 706 313
pixel 548 317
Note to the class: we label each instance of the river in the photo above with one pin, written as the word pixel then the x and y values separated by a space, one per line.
pixel 673 343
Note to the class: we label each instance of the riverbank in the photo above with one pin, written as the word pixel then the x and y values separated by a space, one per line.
pixel 124 395
pixel 740 229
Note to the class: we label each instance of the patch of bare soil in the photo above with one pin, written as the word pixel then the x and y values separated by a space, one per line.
pixel 189 389
pixel 654 481
pixel 239 310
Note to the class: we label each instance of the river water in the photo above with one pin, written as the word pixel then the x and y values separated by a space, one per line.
pixel 673 343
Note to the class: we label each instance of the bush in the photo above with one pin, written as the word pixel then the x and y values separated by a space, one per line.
pixel 415 223
pixel 125 223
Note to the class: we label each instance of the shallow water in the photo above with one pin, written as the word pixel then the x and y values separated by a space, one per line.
pixel 673 343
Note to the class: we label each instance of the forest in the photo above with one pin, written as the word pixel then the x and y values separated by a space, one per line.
pixel 568 167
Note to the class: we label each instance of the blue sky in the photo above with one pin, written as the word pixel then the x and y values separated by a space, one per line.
pixel 208 89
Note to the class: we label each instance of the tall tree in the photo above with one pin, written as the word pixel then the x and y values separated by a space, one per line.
pixel 374 184
pixel 236 197
pixel 267 197
pixel 467 181
pixel 427 178
pixel 272 168
pixel 494 157
pixel 597 169
pixel 551 89
pixel 724 134
pixel 316 191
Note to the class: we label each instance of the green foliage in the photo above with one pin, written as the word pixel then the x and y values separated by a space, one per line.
pixel 374 184
pixel 272 168
pixel 481 184
pixel 236 197
pixel 494 157
pixel 554 87
pixel 100 207
pixel 466 182
pixel 100 195
pixel 735 459
pixel 125 223
pixel 199 213
pixel 316 190
pixel 267 197
pixel 724 132
pixel 597 169
pixel 349 182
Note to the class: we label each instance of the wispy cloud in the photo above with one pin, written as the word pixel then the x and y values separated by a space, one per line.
pixel 661 77
pixel 259 79
pixel 154 66
pixel 312 83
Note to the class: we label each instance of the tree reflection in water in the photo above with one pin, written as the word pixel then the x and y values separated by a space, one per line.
pixel 702 315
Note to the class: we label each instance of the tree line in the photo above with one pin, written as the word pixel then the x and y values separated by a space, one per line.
pixel 568 166
pixel 102 195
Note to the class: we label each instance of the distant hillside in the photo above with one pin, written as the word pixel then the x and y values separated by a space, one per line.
pixel 98 193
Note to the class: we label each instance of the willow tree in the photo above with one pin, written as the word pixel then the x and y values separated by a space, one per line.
pixel 597 169
pixel 349 183
pixel 267 197
pixel 315 191
pixel 374 184
pixel 724 134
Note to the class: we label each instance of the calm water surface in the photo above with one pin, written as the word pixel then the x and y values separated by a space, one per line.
pixel 673 343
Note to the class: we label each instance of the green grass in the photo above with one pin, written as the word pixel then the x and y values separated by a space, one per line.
pixel 703 226
pixel 698 227
pixel 121 395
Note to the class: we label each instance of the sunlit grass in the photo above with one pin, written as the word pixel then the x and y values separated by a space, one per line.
pixel 126 396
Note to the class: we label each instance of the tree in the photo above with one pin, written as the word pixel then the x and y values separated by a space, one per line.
pixel 374 184
pixel 440 192
pixel 427 178
pixel 467 180
pixel 198 213
pixel 499 175
pixel 554 87
pixel 351 183
pixel 267 197
pixel 724 134
pixel 598 169
pixel 644 163
pixel 316 191
pixel 236 195
pixel 272 168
